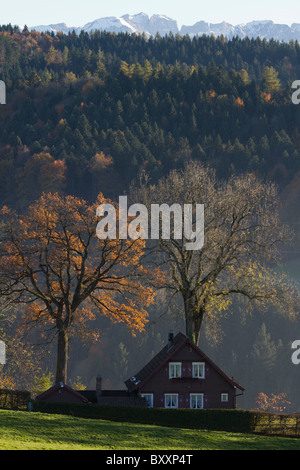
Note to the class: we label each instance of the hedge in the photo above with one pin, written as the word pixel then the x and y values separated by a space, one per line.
pixel 14 399
pixel 212 419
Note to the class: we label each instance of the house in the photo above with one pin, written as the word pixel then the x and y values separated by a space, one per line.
pixel 179 376
pixel 62 393
pixel 182 376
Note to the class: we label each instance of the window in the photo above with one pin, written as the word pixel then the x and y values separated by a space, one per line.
pixel 224 397
pixel 196 401
pixel 149 399
pixel 198 370
pixel 174 370
pixel 171 400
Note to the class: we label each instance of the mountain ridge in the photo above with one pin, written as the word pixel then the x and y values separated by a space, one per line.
pixel 141 23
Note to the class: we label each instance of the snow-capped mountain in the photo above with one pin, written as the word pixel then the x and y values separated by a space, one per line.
pixel 263 29
pixel 62 27
pixel 150 26
pixel 140 23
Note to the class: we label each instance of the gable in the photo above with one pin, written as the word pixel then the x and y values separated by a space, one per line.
pixel 182 348
pixel 155 363
pixel 187 352
pixel 61 392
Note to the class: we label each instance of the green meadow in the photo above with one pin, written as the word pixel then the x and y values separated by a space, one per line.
pixel 21 430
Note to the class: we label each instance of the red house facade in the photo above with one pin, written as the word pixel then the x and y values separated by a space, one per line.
pixel 182 376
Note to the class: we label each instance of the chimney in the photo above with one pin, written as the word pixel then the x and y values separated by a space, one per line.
pixel 98 384
pixel 170 340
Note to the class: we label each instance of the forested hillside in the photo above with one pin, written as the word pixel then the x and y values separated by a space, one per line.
pixel 86 113
pixel 88 109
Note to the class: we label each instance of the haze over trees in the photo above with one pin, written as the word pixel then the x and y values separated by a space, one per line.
pixel 242 238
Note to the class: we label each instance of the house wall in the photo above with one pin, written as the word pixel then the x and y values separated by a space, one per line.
pixel 211 386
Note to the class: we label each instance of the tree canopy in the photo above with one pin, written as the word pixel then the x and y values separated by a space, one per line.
pixel 242 238
pixel 53 264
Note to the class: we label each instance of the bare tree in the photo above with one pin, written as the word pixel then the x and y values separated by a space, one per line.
pixel 241 250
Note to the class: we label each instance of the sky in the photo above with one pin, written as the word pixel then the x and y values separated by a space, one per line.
pixel 185 12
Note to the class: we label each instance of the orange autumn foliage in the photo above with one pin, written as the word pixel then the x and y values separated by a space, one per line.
pixel 212 93
pixel 239 102
pixel 7 383
pixel 272 403
pixel 63 275
pixel 266 96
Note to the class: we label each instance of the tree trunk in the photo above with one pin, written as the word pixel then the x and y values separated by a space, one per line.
pixel 62 357
pixel 193 320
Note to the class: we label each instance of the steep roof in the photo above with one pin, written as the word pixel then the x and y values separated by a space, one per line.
pixel 164 356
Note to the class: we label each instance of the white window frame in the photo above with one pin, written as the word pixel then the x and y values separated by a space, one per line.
pixel 174 370
pixel 176 400
pixel 150 397
pixel 197 396
pixel 224 397
pixel 197 365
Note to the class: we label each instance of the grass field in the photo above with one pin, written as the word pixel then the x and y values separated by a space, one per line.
pixel 36 431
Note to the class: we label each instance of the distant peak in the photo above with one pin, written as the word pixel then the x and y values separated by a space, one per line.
pixel 162 24
pixel 259 22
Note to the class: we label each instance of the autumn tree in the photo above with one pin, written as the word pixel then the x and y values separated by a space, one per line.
pixel 270 80
pixel 41 173
pixel 241 249
pixel 55 267
pixel 272 403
